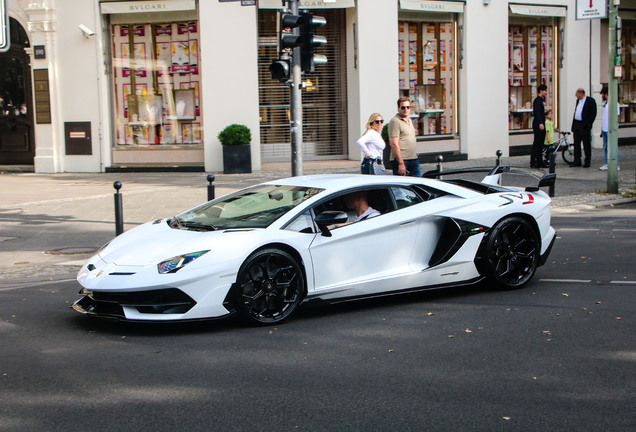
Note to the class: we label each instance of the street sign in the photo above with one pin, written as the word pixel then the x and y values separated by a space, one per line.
pixel 591 9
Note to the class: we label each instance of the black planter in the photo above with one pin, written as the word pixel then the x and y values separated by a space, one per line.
pixel 237 159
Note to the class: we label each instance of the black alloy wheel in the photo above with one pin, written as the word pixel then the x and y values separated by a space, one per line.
pixel 568 154
pixel 270 287
pixel 511 253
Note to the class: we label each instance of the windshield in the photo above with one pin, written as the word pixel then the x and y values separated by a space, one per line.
pixel 256 207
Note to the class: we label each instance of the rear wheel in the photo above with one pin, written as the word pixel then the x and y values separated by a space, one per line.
pixel 568 154
pixel 270 287
pixel 511 253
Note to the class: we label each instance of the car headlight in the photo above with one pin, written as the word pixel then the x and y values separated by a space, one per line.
pixel 174 264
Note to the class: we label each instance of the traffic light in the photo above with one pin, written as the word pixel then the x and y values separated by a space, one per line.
pixel 288 40
pixel 309 41
pixel 281 68
pixel 288 22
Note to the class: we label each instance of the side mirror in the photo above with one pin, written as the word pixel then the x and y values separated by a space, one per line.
pixel 330 217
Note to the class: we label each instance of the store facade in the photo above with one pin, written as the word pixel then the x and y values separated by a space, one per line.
pixel 627 82
pixel 533 46
pixel 150 84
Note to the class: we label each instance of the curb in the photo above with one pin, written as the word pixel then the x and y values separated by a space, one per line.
pixel 612 203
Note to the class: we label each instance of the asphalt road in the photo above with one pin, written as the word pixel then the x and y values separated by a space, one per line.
pixel 558 355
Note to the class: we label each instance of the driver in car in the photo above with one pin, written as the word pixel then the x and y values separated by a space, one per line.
pixel 359 208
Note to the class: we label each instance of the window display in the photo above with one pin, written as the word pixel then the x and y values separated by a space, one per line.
pixel 156 84
pixel 627 84
pixel 530 63
pixel 427 75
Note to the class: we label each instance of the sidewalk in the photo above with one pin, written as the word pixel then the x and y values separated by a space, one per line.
pixel 51 223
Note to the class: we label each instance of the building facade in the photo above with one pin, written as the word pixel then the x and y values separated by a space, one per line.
pixel 98 85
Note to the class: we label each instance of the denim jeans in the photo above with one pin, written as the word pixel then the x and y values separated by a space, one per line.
pixel 618 153
pixel 365 166
pixel 411 165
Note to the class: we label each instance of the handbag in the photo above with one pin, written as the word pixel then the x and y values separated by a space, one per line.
pixel 376 167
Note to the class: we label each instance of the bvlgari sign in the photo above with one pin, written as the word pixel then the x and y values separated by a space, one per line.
pixel 532 10
pixel 433 6
pixel 147 6
pixel 309 4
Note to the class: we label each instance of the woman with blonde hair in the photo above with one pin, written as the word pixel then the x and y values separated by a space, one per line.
pixel 372 145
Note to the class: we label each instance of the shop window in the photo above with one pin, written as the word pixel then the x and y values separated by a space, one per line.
pixel 427 75
pixel 157 84
pixel 324 94
pixel 530 63
pixel 627 84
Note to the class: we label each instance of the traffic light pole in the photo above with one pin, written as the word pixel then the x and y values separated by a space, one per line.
pixel 612 97
pixel 296 106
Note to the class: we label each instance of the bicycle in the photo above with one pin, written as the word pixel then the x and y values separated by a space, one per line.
pixel 566 148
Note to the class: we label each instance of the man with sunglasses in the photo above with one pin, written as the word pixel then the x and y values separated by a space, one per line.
pixel 402 139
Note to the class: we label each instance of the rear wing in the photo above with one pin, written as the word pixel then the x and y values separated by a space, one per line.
pixel 493 177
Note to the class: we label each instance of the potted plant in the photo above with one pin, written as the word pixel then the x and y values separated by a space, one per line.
pixel 236 139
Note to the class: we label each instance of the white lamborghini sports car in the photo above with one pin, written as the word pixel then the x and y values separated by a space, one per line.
pixel 265 249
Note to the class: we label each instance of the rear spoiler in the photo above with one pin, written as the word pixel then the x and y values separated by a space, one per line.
pixel 493 175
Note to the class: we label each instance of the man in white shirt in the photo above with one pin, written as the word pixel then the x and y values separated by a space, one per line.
pixel 359 207
pixel 605 127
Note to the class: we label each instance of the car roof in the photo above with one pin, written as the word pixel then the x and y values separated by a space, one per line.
pixel 336 182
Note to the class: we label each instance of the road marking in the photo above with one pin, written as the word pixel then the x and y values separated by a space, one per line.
pixel 624 230
pixel 586 281
pixel 34 284
pixel 567 280
pixel 578 229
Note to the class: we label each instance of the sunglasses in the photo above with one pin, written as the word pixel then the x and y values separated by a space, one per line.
pixel 405 107
pixel 378 121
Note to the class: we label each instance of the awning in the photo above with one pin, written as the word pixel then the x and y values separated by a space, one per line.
pixel 433 6
pixel 535 10
pixel 127 7
pixel 309 4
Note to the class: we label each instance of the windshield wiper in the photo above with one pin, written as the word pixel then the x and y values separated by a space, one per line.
pixel 199 226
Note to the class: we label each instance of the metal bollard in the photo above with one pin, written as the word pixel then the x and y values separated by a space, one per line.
pixel 440 159
pixel 551 170
pixel 498 153
pixel 210 187
pixel 119 211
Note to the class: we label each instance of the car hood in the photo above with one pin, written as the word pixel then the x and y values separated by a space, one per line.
pixel 155 242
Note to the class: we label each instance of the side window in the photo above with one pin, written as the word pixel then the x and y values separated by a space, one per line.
pixel 303 223
pixel 405 197
pixel 359 204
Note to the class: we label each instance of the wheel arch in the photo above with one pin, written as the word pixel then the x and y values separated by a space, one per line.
pixel 290 250
pixel 529 219
pixel 228 301
pixel 479 258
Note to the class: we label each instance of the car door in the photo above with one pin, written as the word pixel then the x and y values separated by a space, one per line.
pixel 365 257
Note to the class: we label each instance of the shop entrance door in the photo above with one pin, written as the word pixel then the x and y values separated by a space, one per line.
pixel 17 145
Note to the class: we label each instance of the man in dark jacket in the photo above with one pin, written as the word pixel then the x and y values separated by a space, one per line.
pixel 584 116
pixel 538 127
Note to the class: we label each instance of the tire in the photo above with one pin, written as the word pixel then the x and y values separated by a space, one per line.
pixel 568 154
pixel 510 253
pixel 270 287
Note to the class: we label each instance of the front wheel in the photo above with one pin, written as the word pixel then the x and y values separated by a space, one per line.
pixel 510 253
pixel 270 287
pixel 568 154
